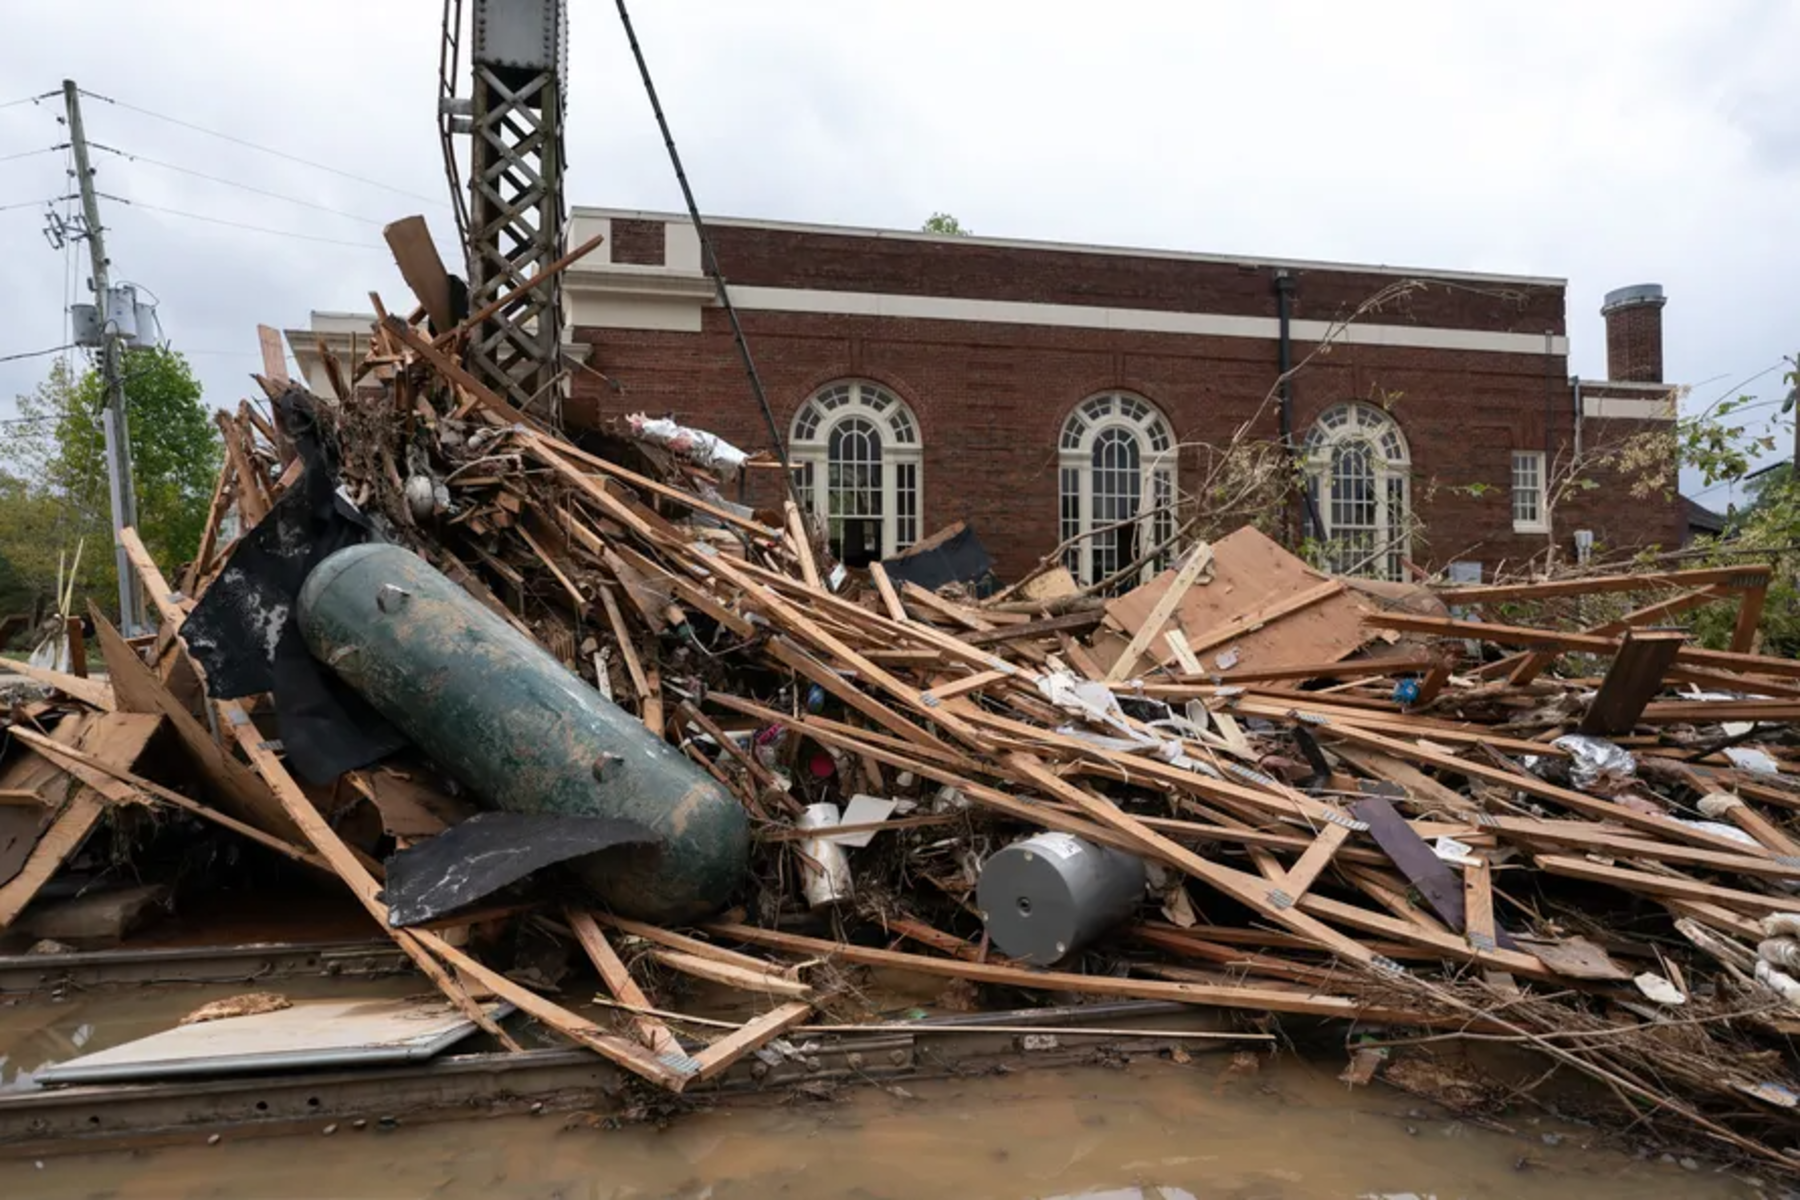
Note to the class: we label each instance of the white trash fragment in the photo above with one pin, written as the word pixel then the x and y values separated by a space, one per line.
pixel 1596 761
pixel 1656 988
pixel 695 445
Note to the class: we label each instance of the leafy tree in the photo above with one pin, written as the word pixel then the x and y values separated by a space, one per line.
pixel 945 224
pixel 54 491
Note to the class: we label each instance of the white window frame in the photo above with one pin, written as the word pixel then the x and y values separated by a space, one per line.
pixel 1536 487
pixel 1097 416
pixel 1338 427
pixel 902 454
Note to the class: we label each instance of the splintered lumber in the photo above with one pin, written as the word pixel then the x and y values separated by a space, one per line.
pixel 1587 643
pixel 1667 885
pixel 417 257
pixel 692 946
pixel 1521 669
pixel 452 370
pixel 1749 616
pixel 114 738
pixel 1736 577
pixel 884 587
pixel 1591 806
pixel 1253 998
pixel 802 540
pixel 1199 559
pixel 1635 677
pixel 92 692
pixel 1317 857
pixel 730 974
pixel 719 1056
pixel 618 980
pixel 1478 903
pixel 121 786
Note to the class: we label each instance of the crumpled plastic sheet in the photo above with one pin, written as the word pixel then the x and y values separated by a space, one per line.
pixel 1096 704
pixel 1596 761
pixel 708 449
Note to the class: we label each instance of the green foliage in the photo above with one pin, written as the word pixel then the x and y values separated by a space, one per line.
pixel 1765 530
pixel 53 482
pixel 945 224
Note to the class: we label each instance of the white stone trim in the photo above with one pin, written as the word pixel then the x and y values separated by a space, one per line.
pixel 584 213
pixel 1140 320
pixel 1615 408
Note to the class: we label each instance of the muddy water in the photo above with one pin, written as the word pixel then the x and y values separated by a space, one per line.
pixel 1158 1130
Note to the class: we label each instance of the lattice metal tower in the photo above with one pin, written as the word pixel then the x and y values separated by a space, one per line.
pixel 519 59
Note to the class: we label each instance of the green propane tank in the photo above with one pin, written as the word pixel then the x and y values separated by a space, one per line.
pixel 512 724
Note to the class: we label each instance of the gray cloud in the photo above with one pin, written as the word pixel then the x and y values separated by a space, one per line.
pixel 1608 143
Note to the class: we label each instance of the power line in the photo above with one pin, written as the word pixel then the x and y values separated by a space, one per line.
pixel 31 203
pixel 29 99
pixel 287 233
pixel 29 153
pixel 338 212
pixel 305 162
pixel 32 354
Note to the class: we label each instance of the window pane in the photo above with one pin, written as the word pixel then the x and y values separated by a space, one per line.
pixel 853 492
pixel 906 505
pixel 1527 487
pixel 1118 491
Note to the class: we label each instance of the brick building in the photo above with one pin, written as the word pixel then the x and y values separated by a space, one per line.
pixel 1037 390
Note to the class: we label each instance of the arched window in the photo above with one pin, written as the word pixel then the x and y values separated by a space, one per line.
pixel 856 457
pixel 1117 461
pixel 1357 469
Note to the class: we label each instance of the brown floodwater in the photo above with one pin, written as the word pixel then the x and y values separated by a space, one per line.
pixel 1156 1130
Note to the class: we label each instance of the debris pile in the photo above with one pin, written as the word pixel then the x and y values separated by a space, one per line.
pixel 1239 784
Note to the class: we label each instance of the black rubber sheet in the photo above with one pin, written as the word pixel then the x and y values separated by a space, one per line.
pixel 245 631
pixel 489 851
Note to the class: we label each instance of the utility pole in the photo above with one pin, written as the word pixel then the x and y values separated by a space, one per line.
pixel 112 417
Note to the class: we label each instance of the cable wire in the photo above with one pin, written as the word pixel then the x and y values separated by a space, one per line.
pixel 232 183
pixel 294 158
pixel 287 233
pixel 30 203
pixel 710 260
pixel 6 358
pixel 29 153
pixel 31 99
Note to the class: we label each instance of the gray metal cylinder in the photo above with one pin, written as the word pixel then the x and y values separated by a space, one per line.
pixel 1048 896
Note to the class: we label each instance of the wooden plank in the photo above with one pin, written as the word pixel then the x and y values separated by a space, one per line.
pixel 692 946
pixel 802 544
pixel 420 265
pixel 719 1056
pixel 1521 669
pixel 1478 903
pixel 792 656
pixel 618 980
pixel 1744 576
pixel 967 618
pixel 1591 806
pixel 230 782
pixel 730 975
pixel 1749 617
pixel 252 503
pixel 1199 560
pixel 573 454
pixel 274 359
pixel 92 692
pixel 1318 856
pixel 72 632
pixel 1253 998
pixel 121 786
pixel 1666 885
pixel 884 587
pixel 1421 788
pixel 1633 679
pixel 1184 654
pixel 1598 839
pixel 1547 639
pixel 968 683
pixel 114 738
pixel 640 683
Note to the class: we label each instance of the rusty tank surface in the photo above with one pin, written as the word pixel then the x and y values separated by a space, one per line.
pixel 508 721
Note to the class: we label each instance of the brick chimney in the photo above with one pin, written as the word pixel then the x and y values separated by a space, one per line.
pixel 1634 333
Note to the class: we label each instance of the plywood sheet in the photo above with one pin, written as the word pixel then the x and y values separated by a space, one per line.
pixel 315 1034
pixel 1250 571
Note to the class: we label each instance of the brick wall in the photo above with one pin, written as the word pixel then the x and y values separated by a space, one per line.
pixel 1634 346
pixel 638 242
pixel 991 397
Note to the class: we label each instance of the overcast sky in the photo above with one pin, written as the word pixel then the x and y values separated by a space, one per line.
pixel 1606 143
